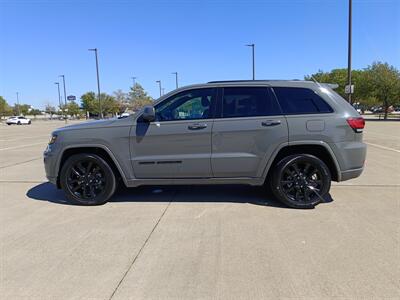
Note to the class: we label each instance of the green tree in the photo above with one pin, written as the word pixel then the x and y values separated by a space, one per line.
pixel 122 100
pixel 89 103
pixel 339 76
pixel 5 109
pixel 49 109
pixel 34 112
pixel 138 97
pixel 384 84
pixel 21 109
pixel 108 104
pixel 73 109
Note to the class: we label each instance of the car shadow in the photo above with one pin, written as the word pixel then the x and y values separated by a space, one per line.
pixel 184 194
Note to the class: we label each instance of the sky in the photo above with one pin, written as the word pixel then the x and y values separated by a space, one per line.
pixel 201 40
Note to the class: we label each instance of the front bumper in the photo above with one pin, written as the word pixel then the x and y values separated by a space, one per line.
pixel 50 164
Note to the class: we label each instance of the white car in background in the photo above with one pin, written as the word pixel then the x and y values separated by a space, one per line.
pixel 18 121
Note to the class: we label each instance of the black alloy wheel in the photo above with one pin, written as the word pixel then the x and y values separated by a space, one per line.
pixel 87 179
pixel 301 181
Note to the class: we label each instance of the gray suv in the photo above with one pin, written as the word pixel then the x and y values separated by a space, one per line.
pixel 293 137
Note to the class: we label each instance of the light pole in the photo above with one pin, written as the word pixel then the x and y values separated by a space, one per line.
pixel 133 80
pixel 98 81
pixel 19 109
pixel 159 85
pixel 254 66
pixel 176 78
pixel 65 98
pixel 349 53
pixel 59 95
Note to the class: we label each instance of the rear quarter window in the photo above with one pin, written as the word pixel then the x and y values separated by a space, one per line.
pixel 301 101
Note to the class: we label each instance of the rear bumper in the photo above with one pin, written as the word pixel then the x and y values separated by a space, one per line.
pixel 350 174
pixel 351 158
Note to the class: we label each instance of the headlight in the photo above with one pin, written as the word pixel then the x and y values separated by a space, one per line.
pixel 53 139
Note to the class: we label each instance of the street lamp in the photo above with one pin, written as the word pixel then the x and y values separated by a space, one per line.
pixel 98 81
pixel 65 98
pixel 133 80
pixel 159 85
pixel 176 78
pixel 252 48
pixel 349 53
pixel 59 95
pixel 19 109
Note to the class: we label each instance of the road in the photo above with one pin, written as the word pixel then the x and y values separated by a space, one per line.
pixel 213 242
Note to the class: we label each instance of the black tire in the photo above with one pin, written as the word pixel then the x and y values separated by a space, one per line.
pixel 301 180
pixel 29 123
pixel 87 179
pixel 19 123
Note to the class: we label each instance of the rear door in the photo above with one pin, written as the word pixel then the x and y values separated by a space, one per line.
pixel 178 143
pixel 249 128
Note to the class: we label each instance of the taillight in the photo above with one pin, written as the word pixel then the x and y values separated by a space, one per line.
pixel 357 124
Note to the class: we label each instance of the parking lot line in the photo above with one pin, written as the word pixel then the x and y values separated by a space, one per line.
pixel 24 146
pixel 24 138
pixel 383 147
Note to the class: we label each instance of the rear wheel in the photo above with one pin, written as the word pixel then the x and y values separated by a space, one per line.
pixel 19 123
pixel 87 179
pixel 301 181
pixel 29 123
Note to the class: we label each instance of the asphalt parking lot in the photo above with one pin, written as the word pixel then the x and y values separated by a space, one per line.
pixel 197 242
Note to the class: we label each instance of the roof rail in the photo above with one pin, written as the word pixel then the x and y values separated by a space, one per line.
pixel 250 80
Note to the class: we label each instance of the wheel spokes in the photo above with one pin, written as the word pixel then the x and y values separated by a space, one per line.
pixel 300 181
pixel 86 179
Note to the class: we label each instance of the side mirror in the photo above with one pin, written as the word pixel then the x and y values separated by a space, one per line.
pixel 149 114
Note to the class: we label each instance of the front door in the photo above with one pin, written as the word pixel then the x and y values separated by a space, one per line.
pixel 178 143
pixel 249 128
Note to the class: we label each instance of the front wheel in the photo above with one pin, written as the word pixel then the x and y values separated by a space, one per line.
pixel 301 181
pixel 87 179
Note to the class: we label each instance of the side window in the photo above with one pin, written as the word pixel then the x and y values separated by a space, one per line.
pixel 301 101
pixel 248 102
pixel 187 105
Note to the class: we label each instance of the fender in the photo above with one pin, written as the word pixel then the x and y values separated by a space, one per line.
pixel 302 143
pixel 101 146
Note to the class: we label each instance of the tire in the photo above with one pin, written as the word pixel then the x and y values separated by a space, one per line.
pixel 19 123
pixel 87 179
pixel 29 123
pixel 301 181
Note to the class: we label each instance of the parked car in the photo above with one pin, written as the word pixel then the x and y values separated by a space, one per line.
pixel 18 121
pixel 294 137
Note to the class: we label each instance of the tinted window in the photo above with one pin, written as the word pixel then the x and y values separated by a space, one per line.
pixel 301 101
pixel 188 105
pixel 248 102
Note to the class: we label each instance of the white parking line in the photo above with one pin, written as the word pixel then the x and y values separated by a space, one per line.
pixel 383 147
pixel 28 145
pixel 24 138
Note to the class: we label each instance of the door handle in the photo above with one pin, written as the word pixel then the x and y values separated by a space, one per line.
pixel 271 123
pixel 197 126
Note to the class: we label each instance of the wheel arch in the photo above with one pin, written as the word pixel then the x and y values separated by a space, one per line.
pixel 99 150
pixel 318 149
